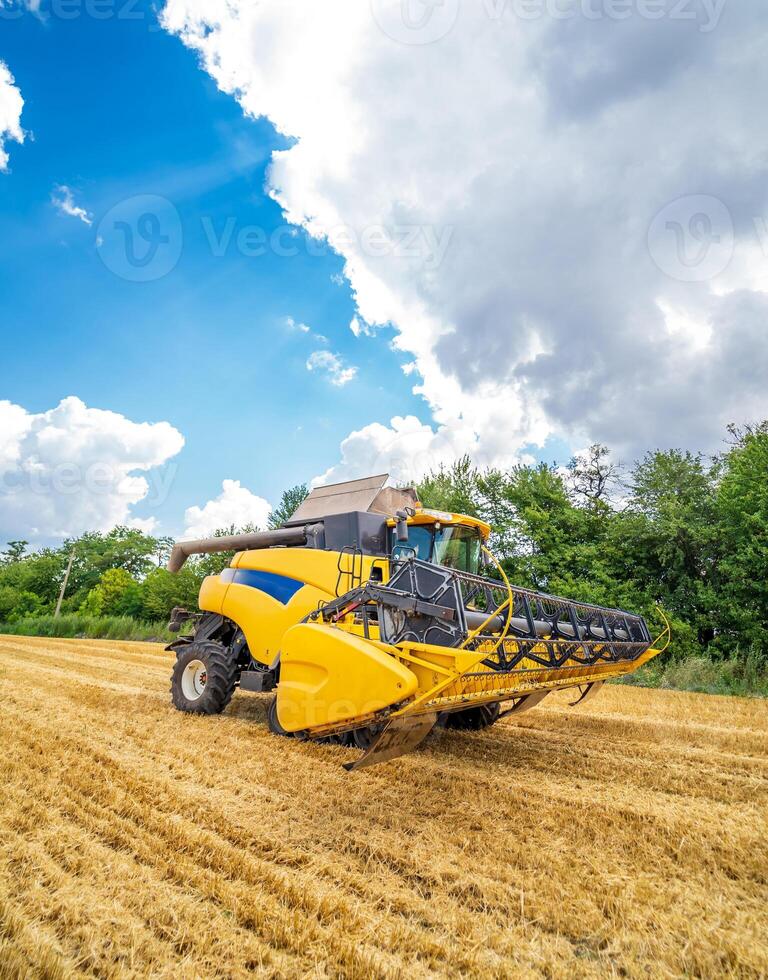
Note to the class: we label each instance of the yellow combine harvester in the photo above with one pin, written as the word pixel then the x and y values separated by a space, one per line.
pixel 370 618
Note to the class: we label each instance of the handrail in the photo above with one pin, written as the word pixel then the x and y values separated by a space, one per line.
pixel 666 631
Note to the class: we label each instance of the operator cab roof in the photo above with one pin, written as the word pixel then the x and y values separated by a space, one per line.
pixel 426 515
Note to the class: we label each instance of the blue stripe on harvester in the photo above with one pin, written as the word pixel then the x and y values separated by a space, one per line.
pixel 280 587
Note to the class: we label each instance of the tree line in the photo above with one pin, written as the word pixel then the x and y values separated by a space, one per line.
pixel 121 573
pixel 679 530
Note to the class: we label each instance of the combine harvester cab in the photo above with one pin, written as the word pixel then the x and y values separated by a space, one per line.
pixel 370 618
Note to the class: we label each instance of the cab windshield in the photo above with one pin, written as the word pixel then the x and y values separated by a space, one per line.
pixel 455 546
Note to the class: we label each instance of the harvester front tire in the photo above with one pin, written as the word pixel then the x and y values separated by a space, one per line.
pixel 472 719
pixel 273 722
pixel 204 678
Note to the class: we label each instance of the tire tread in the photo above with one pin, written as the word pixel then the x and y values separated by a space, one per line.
pixel 221 679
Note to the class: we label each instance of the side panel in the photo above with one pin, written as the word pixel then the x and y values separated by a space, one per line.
pixel 329 676
pixel 267 592
pixel 212 593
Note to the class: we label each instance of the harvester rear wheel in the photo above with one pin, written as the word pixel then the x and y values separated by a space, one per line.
pixel 204 678
pixel 472 719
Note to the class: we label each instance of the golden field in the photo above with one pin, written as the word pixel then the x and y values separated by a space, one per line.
pixel 625 838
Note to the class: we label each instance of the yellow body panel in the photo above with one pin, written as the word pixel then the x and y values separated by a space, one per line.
pixel 329 677
pixel 263 618
pixel 212 593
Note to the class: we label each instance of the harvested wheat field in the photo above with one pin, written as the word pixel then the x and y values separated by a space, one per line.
pixel 629 837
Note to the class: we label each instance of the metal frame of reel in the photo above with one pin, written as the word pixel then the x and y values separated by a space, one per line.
pixel 431 604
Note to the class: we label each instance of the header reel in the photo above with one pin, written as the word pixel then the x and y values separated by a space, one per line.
pixel 428 604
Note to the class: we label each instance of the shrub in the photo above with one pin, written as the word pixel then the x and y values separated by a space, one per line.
pixel 743 675
pixel 91 627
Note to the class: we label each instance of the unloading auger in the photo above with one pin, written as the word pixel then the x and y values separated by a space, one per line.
pixel 368 617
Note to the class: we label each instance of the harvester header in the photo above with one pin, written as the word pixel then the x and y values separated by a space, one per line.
pixel 374 619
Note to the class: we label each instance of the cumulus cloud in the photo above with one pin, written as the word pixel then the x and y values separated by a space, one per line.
pixel 407 449
pixel 560 215
pixel 63 200
pixel 75 468
pixel 234 505
pixel 11 104
pixel 332 366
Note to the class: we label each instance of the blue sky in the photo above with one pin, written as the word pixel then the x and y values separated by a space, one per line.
pixel 118 108
pixel 587 193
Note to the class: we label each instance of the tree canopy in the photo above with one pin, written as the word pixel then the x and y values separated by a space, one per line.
pixel 677 529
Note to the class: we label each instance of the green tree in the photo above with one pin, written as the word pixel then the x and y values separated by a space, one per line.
pixel 674 551
pixel 122 547
pixel 592 476
pixel 453 488
pixel 161 591
pixel 117 594
pixel 8 599
pixel 40 573
pixel 742 527
pixel 14 551
pixel 17 603
pixel 543 527
pixel 290 500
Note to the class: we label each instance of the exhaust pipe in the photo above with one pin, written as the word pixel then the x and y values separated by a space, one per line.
pixel 254 541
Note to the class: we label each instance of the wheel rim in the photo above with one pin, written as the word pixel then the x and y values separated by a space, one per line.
pixel 193 680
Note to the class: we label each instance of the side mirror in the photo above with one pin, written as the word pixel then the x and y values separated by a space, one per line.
pixel 401 528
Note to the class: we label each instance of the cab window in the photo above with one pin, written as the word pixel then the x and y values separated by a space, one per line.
pixel 419 540
pixel 459 547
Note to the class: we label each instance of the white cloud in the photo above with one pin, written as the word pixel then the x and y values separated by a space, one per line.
pixel 360 327
pixel 234 505
pixel 64 202
pixel 332 366
pixel 291 324
pixel 518 165
pixel 407 449
pixel 11 104
pixel 75 468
